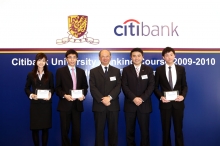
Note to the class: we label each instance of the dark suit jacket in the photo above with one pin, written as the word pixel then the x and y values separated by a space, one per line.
pixel 131 90
pixel 64 84
pixel 162 84
pixel 31 86
pixel 101 86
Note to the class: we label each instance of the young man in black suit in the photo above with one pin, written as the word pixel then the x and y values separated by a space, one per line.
pixel 68 78
pixel 171 77
pixel 137 85
pixel 105 86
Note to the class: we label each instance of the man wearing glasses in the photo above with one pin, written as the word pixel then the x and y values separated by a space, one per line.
pixel 70 107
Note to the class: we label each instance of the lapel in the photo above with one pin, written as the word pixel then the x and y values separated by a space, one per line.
pixel 133 71
pixel 67 72
pixel 142 70
pixel 110 71
pixel 164 76
pixel 100 70
pixel 77 74
pixel 177 76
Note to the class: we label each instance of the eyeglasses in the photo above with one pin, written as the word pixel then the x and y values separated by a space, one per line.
pixel 70 57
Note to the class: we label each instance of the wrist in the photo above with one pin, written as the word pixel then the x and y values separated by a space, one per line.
pixel 110 97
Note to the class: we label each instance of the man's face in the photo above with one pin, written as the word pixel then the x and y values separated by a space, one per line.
pixel 169 57
pixel 105 57
pixel 71 60
pixel 136 58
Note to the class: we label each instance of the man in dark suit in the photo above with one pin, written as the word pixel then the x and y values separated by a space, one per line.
pixel 68 78
pixel 137 85
pixel 171 77
pixel 105 86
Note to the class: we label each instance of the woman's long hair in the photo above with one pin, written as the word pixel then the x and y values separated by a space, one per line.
pixel 40 56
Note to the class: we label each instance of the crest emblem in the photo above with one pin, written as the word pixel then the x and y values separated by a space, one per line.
pixel 77 25
pixel 77 30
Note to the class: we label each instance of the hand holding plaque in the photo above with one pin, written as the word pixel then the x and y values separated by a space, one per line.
pixel 42 94
pixel 76 93
pixel 171 95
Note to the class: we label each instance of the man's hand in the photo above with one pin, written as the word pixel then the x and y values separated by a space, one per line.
pixel 163 99
pixel 81 98
pixel 179 98
pixel 69 97
pixel 49 96
pixel 34 96
pixel 106 100
pixel 138 101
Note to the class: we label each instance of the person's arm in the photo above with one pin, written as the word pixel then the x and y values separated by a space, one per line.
pixel 125 86
pixel 84 85
pixel 51 86
pixel 28 85
pixel 58 86
pixel 157 85
pixel 184 87
pixel 93 87
pixel 150 86
pixel 157 91
pixel 117 89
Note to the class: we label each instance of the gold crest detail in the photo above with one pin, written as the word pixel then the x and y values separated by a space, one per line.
pixel 77 25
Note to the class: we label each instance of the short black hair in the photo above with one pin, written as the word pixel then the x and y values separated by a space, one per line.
pixel 167 49
pixel 137 50
pixel 71 51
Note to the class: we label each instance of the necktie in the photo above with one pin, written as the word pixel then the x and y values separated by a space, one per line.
pixel 106 71
pixel 137 71
pixel 170 78
pixel 74 79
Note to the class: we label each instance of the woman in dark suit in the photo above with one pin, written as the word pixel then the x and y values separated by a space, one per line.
pixel 40 109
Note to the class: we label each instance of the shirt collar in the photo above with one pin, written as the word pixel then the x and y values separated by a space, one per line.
pixel 105 66
pixel 172 66
pixel 139 67
pixel 70 67
pixel 39 73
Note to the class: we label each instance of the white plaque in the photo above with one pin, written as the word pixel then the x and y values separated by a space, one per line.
pixel 76 93
pixel 171 95
pixel 42 94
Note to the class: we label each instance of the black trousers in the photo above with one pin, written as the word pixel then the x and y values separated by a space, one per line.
pixel 177 116
pixel 66 119
pixel 112 122
pixel 143 121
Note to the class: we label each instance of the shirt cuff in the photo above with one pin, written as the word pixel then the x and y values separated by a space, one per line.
pixel 30 96
pixel 110 97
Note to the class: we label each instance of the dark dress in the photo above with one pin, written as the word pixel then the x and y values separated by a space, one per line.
pixel 40 110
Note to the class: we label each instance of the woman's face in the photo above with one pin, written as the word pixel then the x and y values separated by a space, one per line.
pixel 41 62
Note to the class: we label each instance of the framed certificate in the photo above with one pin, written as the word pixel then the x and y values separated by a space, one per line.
pixel 42 93
pixel 76 93
pixel 171 95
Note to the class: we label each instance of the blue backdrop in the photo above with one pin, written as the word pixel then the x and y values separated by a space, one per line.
pixel 201 116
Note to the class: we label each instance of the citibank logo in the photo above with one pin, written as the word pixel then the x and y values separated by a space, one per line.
pixel 132 27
